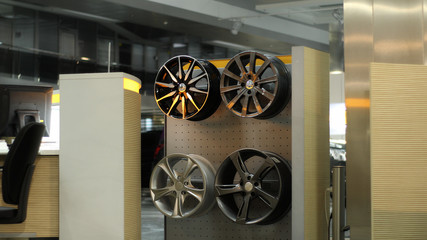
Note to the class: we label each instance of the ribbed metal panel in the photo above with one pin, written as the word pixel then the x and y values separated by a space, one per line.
pixel 43 202
pixel 398 151
pixel 132 165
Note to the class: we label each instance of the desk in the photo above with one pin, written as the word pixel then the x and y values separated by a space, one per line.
pixel 43 203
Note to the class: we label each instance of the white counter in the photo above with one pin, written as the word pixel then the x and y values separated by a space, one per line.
pixel 46 148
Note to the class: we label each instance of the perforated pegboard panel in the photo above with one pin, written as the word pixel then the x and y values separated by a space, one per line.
pixel 215 138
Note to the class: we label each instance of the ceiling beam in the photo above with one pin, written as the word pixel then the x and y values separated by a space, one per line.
pixel 297 4
pixel 221 14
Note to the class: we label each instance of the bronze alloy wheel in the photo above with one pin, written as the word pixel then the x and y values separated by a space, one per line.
pixel 251 91
pixel 187 88
pixel 254 187
pixel 182 185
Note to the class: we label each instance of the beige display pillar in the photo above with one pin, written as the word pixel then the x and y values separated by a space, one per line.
pixel 100 196
pixel 310 143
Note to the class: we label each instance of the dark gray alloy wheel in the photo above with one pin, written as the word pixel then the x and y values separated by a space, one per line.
pixel 254 187
pixel 251 91
pixel 182 185
pixel 187 88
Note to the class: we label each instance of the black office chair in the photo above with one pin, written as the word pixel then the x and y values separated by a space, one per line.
pixel 17 172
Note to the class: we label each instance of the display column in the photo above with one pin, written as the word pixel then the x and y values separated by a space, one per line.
pixel 310 143
pixel 100 190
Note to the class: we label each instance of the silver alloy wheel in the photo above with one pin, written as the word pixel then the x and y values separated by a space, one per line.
pixel 182 185
pixel 187 88
pixel 251 91
pixel 254 187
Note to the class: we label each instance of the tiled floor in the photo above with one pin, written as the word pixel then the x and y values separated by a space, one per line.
pixel 152 220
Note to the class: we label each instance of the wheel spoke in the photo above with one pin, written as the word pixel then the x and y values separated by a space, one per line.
pixel 245 106
pixel 196 78
pixel 252 62
pixel 262 68
pixel 173 104
pixel 196 193
pixel 267 80
pixel 166 96
pixel 161 192
pixel 228 189
pixel 240 65
pixel 191 166
pixel 232 75
pixel 193 89
pixel 166 85
pixel 236 98
pixel 190 70
pixel 242 214
pixel 230 88
pixel 164 164
pixel 171 75
pixel 192 101
pixel 239 164
pixel 183 107
pixel 180 71
pixel 265 93
pixel 257 105
pixel 267 198
pixel 177 209
pixel 262 171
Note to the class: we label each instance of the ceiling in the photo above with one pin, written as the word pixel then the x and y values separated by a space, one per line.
pixel 272 26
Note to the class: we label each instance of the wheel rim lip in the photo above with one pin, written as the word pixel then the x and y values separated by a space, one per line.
pixel 222 201
pixel 207 199
pixel 271 65
pixel 161 71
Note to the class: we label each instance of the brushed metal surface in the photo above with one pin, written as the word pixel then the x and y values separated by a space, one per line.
pixel 425 30
pixel 338 205
pixel 398 35
pixel 358 48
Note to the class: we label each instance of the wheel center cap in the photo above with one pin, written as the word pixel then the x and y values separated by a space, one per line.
pixel 179 186
pixel 249 84
pixel 249 187
pixel 182 87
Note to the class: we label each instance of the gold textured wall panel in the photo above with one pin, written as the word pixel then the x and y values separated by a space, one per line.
pixel 43 201
pixel 398 151
pixel 132 165
pixel 316 141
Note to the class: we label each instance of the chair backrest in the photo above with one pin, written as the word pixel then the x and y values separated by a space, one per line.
pixel 4 108
pixel 19 160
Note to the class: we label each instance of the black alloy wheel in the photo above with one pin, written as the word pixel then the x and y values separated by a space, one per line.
pixel 187 88
pixel 251 91
pixel 254 187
